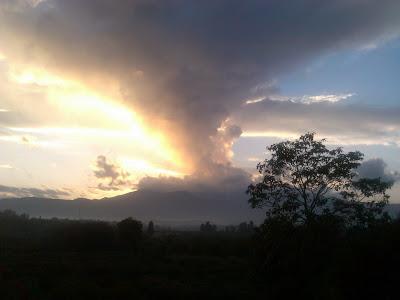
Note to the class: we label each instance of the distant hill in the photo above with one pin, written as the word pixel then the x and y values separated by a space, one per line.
pixel 169 208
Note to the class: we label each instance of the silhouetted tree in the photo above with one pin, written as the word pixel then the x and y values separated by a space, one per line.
pixel 150 228
pixel 208 227
pixel 130 231
pixel 304 180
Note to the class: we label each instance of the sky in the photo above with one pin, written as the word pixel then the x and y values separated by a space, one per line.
pixel 100 97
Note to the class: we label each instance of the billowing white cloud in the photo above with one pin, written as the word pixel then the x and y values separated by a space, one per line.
pixel 325 98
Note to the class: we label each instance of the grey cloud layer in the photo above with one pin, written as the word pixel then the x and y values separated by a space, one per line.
pixel 377 168
pixel 224 178
pixel 115 176
pixel 9 191
pixel 186 65
pixel 349 123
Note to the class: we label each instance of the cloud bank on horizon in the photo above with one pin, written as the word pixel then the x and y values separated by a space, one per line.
pixel 188 68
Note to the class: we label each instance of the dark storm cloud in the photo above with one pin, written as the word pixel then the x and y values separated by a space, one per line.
pixel 185 66
pixel 8 191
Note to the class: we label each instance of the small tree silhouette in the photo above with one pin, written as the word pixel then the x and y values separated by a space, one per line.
pixel 208 227
pixel 303 180
pixel 130 232
pixel 150 228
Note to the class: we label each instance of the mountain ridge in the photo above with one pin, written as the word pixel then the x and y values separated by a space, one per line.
pixel 176 207
pixel 168 208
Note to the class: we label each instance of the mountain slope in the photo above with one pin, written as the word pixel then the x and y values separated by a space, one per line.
pixel 180 207
pixel 169 208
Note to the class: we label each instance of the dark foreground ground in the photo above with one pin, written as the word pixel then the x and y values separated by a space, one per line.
pixel 64 259
pixel 119 275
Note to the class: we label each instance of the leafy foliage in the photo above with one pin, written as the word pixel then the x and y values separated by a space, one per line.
pixel 303 180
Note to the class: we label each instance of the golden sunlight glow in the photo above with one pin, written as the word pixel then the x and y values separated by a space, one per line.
pixel 113 115
pixel 280 134
pixel 134 165
pixel 256 100
pixel 35 76
pixel 96 115
pixel 6 166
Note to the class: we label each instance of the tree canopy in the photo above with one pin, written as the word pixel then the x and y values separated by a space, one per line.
pixel 303 180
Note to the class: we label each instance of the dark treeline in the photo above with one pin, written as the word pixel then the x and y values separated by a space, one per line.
pixel 21 232
pixel 81 259
pixel 42 258
pixel 65 234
